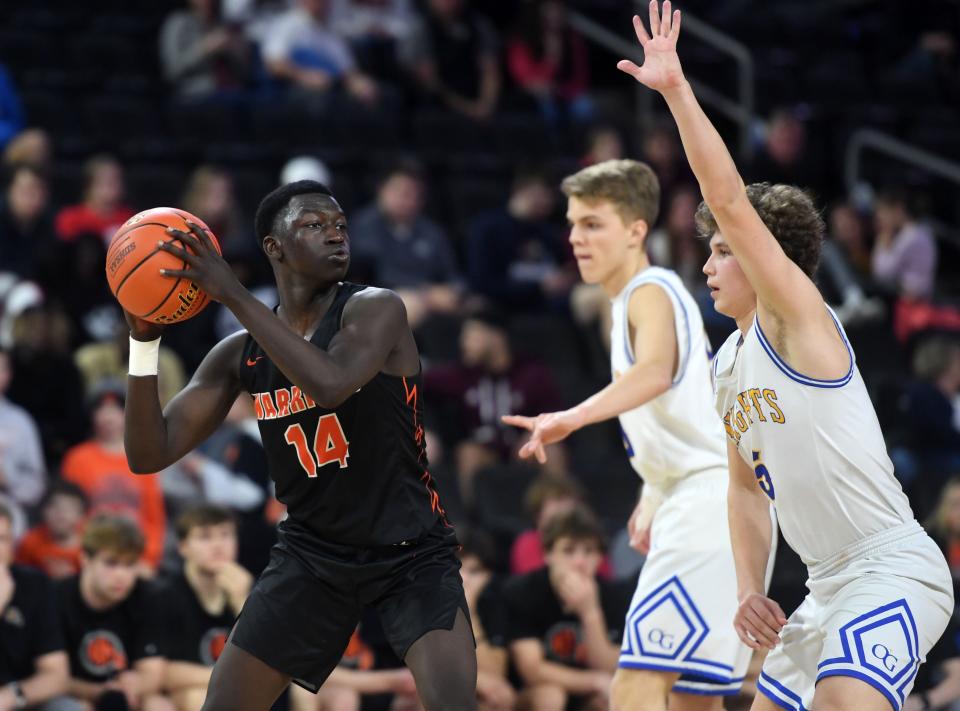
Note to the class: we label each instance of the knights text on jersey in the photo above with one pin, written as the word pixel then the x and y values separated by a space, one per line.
pixel 354 475
pixel 814 445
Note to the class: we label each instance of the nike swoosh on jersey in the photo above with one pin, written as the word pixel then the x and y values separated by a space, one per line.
pixel 253 361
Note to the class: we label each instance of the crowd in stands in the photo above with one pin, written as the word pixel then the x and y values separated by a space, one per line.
pixel 418 114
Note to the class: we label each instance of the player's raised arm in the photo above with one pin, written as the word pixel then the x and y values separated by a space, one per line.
pixel 154 438
pixel 781 285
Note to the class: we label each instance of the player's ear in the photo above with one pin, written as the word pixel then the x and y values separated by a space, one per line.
pixel 638 233
pixel 271 247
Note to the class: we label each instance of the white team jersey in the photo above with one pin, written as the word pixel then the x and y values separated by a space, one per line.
pixel 815 446
pixel 676 434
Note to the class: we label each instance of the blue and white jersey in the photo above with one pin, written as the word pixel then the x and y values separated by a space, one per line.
pixel 815 446
pixel 676 434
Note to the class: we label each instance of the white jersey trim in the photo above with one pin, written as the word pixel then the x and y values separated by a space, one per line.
pixel 800 377
pixel 676 301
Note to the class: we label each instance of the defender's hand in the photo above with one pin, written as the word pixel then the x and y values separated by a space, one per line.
pixel 207 269
pixel 661 70
pixel 758 621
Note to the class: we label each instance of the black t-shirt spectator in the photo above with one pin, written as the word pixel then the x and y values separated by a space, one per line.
pixel 493 613
pixel 28 625
pixel 193 634
pixel 534 611
pixel 102 643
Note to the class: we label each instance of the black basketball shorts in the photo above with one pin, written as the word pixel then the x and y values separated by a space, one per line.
pixel 305 606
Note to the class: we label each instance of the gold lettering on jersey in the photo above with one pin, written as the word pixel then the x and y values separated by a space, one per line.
pixel 751 406
pixel 282 402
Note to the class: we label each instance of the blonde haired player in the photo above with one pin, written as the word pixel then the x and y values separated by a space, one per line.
pixel 678 643
pixel 802 432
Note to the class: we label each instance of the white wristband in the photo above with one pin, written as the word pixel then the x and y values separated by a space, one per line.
pixel 144 357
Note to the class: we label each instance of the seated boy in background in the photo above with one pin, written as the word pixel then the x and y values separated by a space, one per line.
pixel 111 621
pixel 202 601
pixel 565 624
pixel 54 545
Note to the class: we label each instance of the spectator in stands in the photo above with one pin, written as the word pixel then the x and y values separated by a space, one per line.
pixel 302 49
pixel 904 251
pixel 23 471
pixel 661 151
pixel 944 526
pixel 548 60
pixel 201 601
pixel 931 420
pixel 236 446
pixel 547 497
pixel 785 156
pixel 484 592
pixel 45 381
pixel 674 243
pixel 102 211
pixel 473 394
pixel 603 143
pixel 111 622
pixel 565 624
pixel 374 29
pixel 201 55
pixel 210 196
pixel 33 665
pixel 451 54
pixel 99 466
pixel 515 255
pixel 106 361
pixel 33 147
pixel 54 545
pixel 403 249
pixel 306 168
pixel 26 222
pixel 845 267
pixel 11 112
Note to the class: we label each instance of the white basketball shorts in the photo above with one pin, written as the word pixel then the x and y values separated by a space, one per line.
pixel 873 612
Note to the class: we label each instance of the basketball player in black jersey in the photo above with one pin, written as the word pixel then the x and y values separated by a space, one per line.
pixel 335 377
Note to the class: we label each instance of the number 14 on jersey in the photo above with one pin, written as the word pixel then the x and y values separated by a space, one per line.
pixel 329 444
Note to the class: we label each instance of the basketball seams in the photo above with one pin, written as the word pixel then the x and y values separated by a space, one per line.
pixel 126 239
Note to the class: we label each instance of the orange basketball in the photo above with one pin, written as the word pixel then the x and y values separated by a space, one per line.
pixel 134 262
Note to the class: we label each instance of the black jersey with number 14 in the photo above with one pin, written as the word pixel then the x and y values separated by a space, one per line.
pixel 354 475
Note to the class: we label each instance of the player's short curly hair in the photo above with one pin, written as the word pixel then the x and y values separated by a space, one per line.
pixel 791 216
pixel 276 201
pixel 631 186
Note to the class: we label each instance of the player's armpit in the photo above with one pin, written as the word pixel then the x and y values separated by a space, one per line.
pixel 156 438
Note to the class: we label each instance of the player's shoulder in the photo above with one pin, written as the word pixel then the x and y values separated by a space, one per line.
pixel 227 352
pixel 367 299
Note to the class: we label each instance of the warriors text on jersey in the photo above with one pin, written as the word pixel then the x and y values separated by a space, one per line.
pixel 354 475
pixel 815 446
pixel 677 433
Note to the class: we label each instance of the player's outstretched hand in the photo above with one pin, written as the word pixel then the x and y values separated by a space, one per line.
pixel 758 621
pixel 661 70
pixel 544 429
pixel 207 269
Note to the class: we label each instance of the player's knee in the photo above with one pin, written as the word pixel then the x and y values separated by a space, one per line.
pixel 639 689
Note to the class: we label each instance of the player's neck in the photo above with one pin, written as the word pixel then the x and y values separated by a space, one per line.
pixel 745 322
pixel 618 280
pixel 303 304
